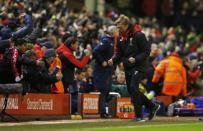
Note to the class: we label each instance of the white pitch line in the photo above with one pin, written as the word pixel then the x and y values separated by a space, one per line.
pixel 141 126
pixel 56 122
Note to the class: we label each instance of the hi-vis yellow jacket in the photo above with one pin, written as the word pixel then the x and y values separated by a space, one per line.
pixel 174 75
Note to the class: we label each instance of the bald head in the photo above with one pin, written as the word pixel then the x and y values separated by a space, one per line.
pixel 112 30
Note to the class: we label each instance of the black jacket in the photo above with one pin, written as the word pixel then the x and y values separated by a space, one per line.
pixel 10 66
pixel 4 44
pixel 40 78
pixel 135 45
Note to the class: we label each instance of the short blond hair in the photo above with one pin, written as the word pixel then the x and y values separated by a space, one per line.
pixel 123 19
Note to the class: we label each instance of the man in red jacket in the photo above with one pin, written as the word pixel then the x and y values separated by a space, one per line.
pixel 69 61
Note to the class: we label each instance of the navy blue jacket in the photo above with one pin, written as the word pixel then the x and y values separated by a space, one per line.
pixel 5 33
pixel 102 75
pixel 26 29
pixel 103 52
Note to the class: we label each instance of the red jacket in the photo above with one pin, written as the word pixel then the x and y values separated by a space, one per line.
pixel 68 53
pixel 69 62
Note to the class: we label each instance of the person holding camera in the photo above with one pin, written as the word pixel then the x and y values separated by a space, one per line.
pixel 45 77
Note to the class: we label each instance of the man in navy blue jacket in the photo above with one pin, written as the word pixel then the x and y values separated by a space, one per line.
pixel 102 74
pixel 26 28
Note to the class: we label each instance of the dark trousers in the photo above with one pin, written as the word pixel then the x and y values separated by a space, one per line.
pixel 103 99
pixel 3 45
pixel 6 76
pixel 74 103
pixel 138 98
pixel 103 84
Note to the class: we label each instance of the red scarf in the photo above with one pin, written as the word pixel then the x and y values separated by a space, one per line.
pixel 137 28
pixel 131 31
pixel 124 36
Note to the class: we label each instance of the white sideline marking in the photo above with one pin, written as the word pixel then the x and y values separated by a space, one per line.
pixel 93 120
pixel 56 122
pixel 163 125
pixel 142 126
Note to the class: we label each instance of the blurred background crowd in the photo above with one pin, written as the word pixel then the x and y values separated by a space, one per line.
pixel 32 31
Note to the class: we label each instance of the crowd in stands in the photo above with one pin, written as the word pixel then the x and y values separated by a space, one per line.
pixel 42 42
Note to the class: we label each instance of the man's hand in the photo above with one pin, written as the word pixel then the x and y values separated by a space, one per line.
pixel 59 75
pixel 87 52
pixel 110 62
pixel 131 60
pixel 40 63
pixel 17 78
pixel 104 64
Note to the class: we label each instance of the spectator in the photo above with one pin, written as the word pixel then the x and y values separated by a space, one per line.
pixel 89 86
pixel 78 87
pixel 10 68
pixel 56 65
pixel 4 44
pixel 46 45
pixel 193 72
pixel 5 30
pixel 45 77
pixel 26 19
pixel 119 85
pixel 29 69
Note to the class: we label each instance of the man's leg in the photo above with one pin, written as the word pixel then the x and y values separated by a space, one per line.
pixel 139 99
pixel 136 96
pixel 104 93
pixel 102 103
